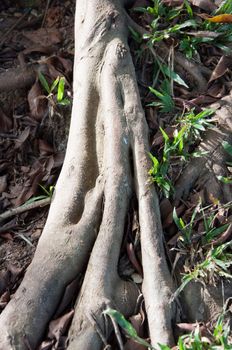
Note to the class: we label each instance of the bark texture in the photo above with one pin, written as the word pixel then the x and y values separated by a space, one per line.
pixel 106 161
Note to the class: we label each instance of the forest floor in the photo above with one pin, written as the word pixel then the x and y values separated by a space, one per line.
pixel 182 58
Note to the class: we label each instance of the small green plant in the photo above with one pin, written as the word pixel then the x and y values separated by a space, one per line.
pixel 57 86
pixel 191 127
pixel 209 233
pixel 216 263
pixel 226 179
pixel 220 339
pixel 159 174
pixel 47 194
pixel 127 327
pixel 166 103
pixel 187 28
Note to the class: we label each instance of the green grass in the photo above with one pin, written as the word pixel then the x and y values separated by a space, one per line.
pixel 191 126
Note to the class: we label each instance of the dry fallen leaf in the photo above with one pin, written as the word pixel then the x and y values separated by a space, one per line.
pixel 37 102
pixel 223 18
pixel 207 5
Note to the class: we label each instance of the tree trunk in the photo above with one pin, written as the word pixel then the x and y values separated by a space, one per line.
pixel 106 162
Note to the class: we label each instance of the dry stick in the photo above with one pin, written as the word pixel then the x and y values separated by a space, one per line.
pixel 45 12
pixel 19 210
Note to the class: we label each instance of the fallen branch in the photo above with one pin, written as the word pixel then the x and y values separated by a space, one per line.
pixel 25 207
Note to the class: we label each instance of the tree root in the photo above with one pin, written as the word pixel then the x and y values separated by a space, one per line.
pixel 91 201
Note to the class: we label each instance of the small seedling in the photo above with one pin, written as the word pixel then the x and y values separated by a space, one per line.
pixel 216 263
pixel 127 327
pixel 191 127
pixel 47 194
pixel 57 86
pixel 209 233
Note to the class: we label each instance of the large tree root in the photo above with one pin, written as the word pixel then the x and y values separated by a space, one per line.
pixel 106 160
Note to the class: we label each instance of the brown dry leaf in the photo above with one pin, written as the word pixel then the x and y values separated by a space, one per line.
pixel 58 66
pixel 3 183
pixel 223 18
pixel 4 299
pixel 37 102
pixel 7 236
pixel 217 90
pixel 22 137
pixel 45 148
pixel 207 5
pixel 190 327
pixel 44 36
pixel 4 280
pixel 54 16
pixel 137 323
pixel 30 186
pixel 221 68
pixel 5 122
pixel 59 326
pixel 46 345
pixel 133 259
pixel 165 209
pixel 173 2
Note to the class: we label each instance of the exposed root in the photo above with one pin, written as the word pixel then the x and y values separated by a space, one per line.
pixel 18 78
pixel 92 198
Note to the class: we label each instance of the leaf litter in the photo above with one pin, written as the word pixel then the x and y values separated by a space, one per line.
pixel 28 159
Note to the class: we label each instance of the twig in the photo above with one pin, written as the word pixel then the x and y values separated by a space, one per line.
pixel 45 12
pixel 19 210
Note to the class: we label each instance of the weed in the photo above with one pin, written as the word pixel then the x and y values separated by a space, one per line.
pixel 209 233
pixel 166 103
pixel 58 85
pixel 219 340
pixel 47 194
pixel 161 27
pixel 191 127
pixel 127 327
pixel 216 263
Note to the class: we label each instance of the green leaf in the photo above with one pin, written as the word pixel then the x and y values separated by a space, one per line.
pixel 164 347
pixel 127 326
pixel 35 199
pixel 178 221
pixel 227 147
pixel 178 27
pixel 188 8
pixel 44 82
pixel 155 164
pixel 173 75
pixel 225 180
pixel 64 102
pixel 60 91
pixel 136 36
pixel 54 84
pixel 165 135
pixel 215 232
